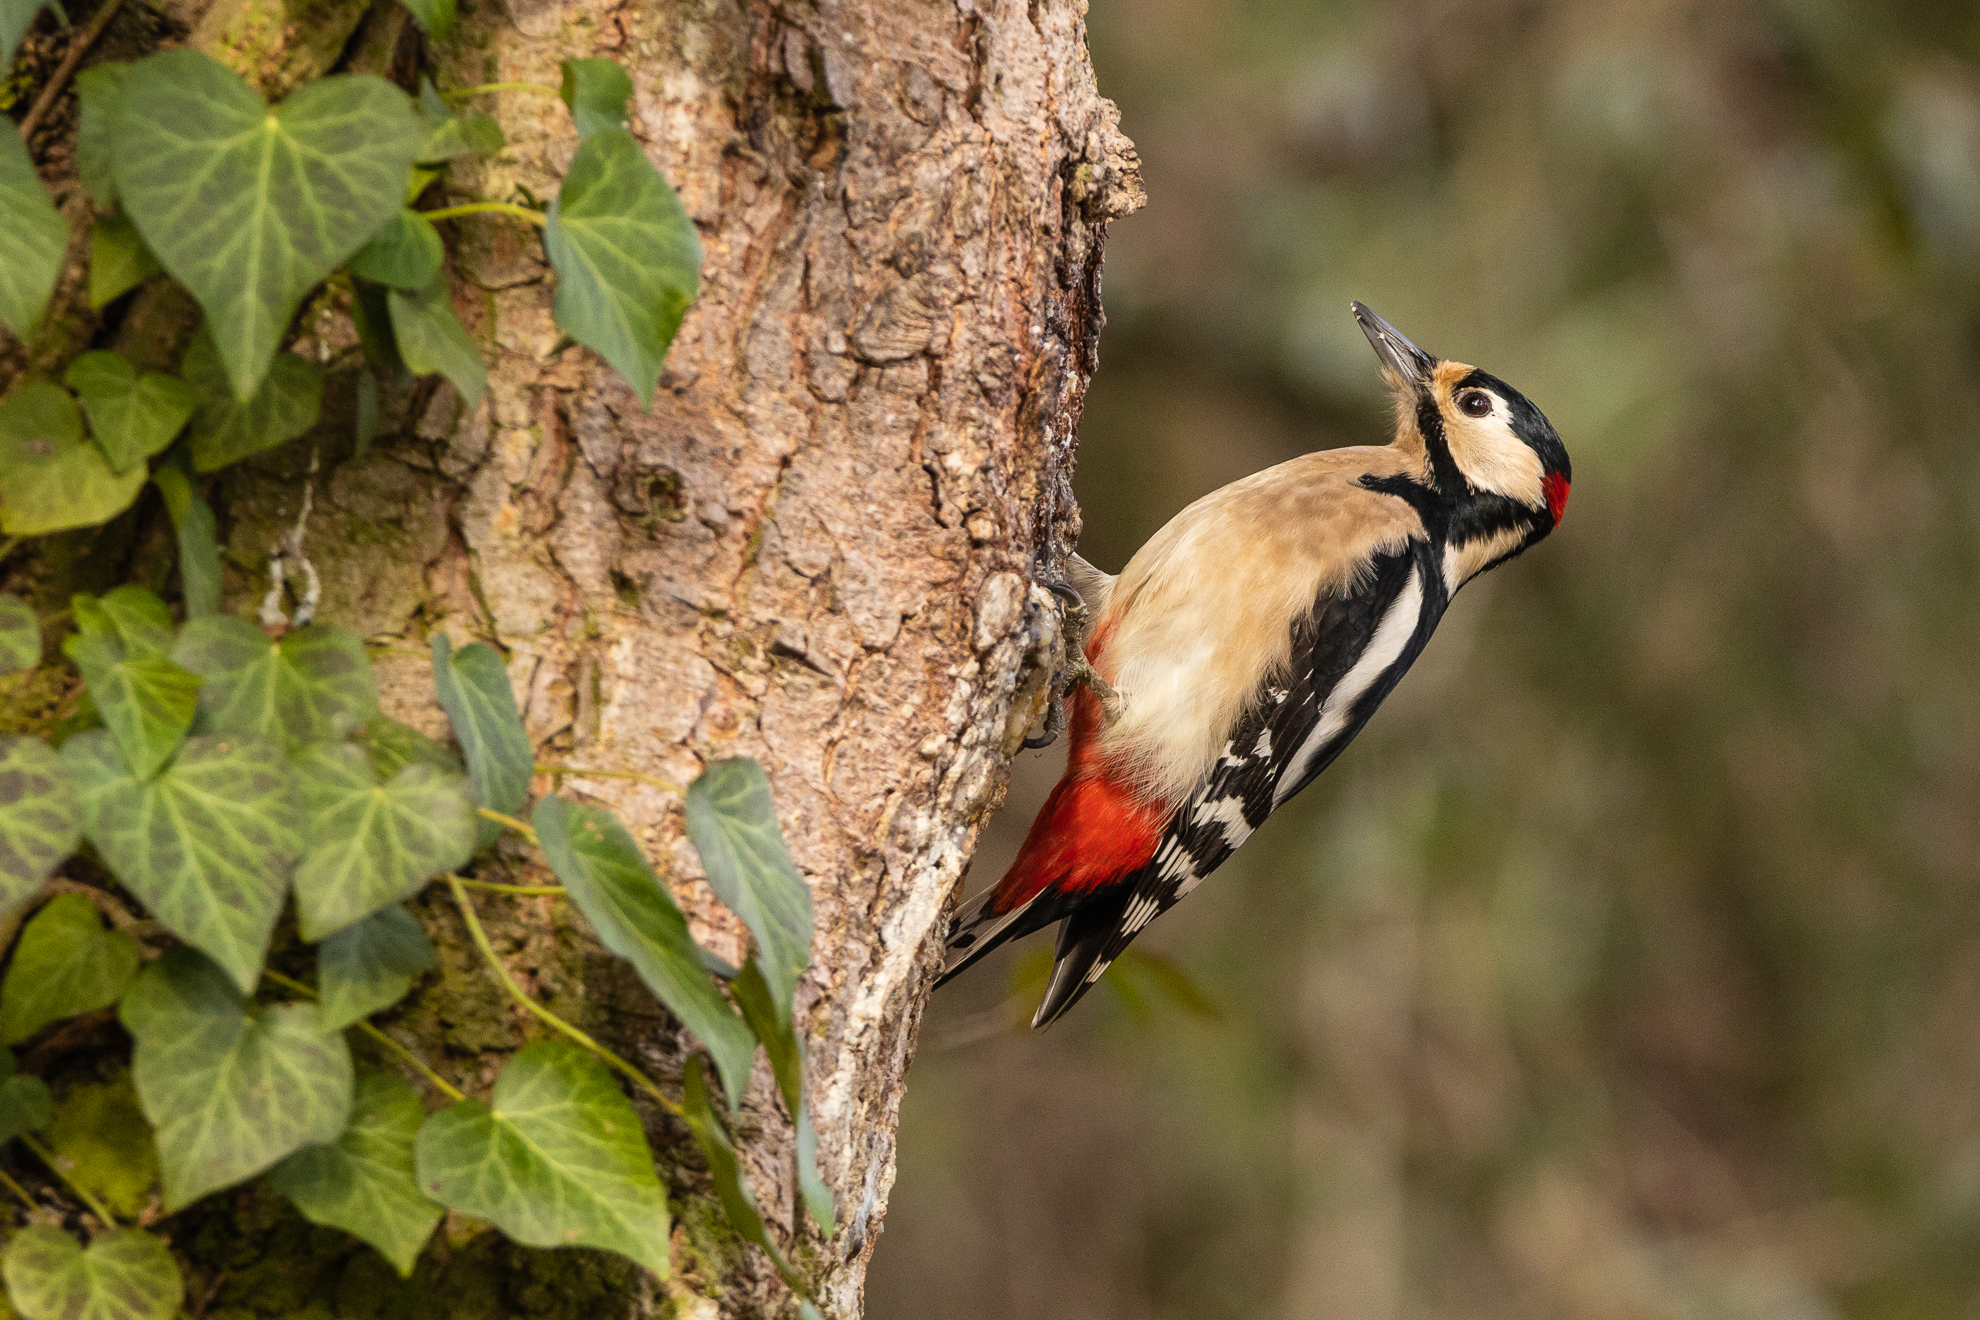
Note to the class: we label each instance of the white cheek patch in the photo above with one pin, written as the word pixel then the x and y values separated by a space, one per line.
pixel 1492 458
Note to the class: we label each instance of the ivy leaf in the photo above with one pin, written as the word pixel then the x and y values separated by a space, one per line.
pixel 20 635
pixel 199 540
pixel 226 430
pixel 374 843
pixel 436 16
pixel 39 817
pixel 559 1159
pixel 637 919
pixel 738 1203
pixel 100 90
pixel 207 845
pixel 25 1104
pixel 101 1137
pixel 146 702
pixel 132 417
pixel 596 92
pixel 449 135
pixel 405 254
pixel 473 687
pixel 365 1183
pixel 628 260
pixel 313 685
pixel 132 618
pixel 124 1274
pixel 33 240
pixel 118 259
pixel 394 746
pixel 369 966
pixel 431 339
pixel 66 963
pixel 787 1062
pixel 733 825
pixel 232 1087
pixel 51 478
pixel 249 207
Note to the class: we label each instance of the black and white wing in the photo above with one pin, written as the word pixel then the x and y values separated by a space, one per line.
pixel 1347 655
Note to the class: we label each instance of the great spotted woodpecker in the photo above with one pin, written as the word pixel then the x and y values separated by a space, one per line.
pixel 1247 643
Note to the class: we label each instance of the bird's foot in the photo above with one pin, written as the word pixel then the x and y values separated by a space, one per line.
pixel 1075 626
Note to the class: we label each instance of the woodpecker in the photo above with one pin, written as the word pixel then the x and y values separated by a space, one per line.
pixel 1247 643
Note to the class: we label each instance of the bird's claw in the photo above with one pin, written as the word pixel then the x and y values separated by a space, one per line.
pixel 1075 627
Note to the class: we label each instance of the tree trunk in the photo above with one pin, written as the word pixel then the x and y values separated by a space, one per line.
pixel 817 549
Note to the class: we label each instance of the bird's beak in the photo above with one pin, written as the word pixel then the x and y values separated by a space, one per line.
pixel 1402 360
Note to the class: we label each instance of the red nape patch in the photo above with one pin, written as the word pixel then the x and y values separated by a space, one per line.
pixel 1556 487
pixel 1090 833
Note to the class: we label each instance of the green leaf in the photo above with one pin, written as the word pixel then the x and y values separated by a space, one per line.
pixel 232 1087
pixel 51 478
pixel 124 1274
pixel 628 260
pixel 431 339
pixel 249 208
pixel 66 963
pixel 199 540
pixel 365 1183
pixel 781 1043
pixel 225 430
pixel 436 16
pixel 25 1104
pixel 449 134
pixel 738 1203
pixel 100 90
pixel 473 687
pixel 147 703
pixel 405 254
pixel 33 239
pixel 101 1137
pixel 394 746
pixel 372 843
pixel 134 619
pixel 207 845
pixel 637 919
pixel 559 1160
pixel 20 635
pixel 369 966
pixel 118 259
pixel 733 825
pixel 39 817
pixel 132 417
pixel 15 17
pixel 314 685
pixel 596 92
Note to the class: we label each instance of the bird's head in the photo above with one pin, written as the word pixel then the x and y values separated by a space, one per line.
pixel 1482 435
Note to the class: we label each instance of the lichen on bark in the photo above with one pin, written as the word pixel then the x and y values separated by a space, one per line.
pixel 817 548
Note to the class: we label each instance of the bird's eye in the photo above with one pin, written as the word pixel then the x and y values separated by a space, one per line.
pixel 1475 403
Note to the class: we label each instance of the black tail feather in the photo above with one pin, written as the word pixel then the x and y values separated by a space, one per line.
pixel 1082 954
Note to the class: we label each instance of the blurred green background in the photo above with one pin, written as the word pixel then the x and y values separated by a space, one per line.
pixel 1629 964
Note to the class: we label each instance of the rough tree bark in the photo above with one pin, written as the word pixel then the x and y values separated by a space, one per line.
pixel 816 549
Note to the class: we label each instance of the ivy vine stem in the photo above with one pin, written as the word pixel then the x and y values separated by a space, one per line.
pixel 521 827
pixel 34 1206
pixel 536 218
pixel 495 887
pixel 78 47
pixel 418 1064
pixel 579 772
pixel 47 1157
pixel 482 89
pixel 494 961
